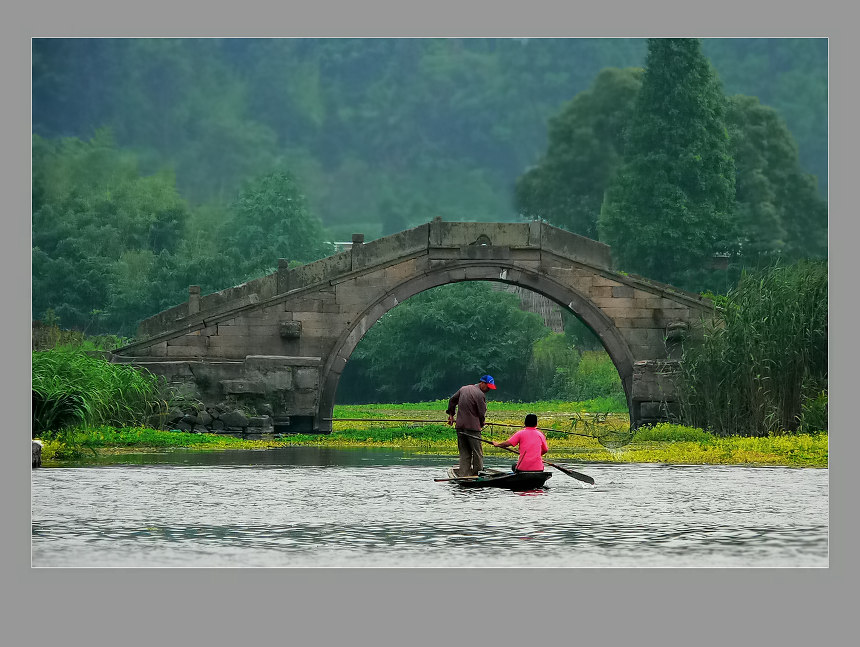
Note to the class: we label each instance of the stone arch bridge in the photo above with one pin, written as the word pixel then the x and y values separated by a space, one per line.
pixel 278 345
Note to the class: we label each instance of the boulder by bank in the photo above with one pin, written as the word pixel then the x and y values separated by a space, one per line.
pixel 37 453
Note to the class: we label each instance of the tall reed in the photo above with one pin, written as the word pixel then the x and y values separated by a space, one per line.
pixel 764 361
pixel 72 388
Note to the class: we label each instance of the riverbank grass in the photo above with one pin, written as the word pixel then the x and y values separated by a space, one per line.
pixel 664 443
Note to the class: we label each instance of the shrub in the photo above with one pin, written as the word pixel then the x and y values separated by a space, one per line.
pixel 73 388
pixel 814 414
pixel 762 366
pixel 595 377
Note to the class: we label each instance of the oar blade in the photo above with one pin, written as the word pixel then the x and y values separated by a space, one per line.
pixel 579 476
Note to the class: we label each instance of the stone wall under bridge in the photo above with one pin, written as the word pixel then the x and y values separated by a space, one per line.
pixel 272 350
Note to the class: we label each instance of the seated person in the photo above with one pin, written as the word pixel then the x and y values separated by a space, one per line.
pixel 532 446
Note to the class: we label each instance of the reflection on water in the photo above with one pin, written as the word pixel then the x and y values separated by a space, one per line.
pixel 306 506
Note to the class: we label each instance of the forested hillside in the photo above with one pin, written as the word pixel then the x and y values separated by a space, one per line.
pixel 381 133
pixel 158 163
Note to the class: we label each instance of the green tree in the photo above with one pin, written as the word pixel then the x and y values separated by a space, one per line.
pixel 97 223
pixel 271 220
pixel 554 360
pixel 778 208
pixel 585 148
pixel 668 208
pixel 789 74
pixel 438 340
pixel 763 362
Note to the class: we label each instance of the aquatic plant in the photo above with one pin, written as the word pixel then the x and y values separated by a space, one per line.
pixel 72 388
pixel 762 365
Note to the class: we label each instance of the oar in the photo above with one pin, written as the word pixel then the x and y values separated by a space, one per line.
pixel 577 475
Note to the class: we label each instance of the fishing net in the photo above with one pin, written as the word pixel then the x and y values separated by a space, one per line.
pixel 615 438
pixel 609 432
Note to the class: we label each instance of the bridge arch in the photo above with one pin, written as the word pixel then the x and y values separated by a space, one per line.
pixel 565 296
pixel 278 345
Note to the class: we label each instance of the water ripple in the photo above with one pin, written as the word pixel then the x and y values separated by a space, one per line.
pixel 395 515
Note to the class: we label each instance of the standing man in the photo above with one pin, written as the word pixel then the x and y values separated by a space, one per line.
pixel 470 404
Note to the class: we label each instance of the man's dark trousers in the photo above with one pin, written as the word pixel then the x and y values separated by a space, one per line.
pixel 471 452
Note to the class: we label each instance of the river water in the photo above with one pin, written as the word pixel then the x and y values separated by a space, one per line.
pixel 321 507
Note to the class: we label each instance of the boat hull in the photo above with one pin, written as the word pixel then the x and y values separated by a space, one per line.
pixel 497 478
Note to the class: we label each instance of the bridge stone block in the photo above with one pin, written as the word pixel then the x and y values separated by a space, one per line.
pixel 306 305
pixel 390 248
pixel 290 329
pixel 307 378
pixel 268 363
pixel 643 294
pixel 185 351
pixel 191 339
pixel 485 252
pixel 627 312
pixel 279 380
pixel 649 341
pixel 622 291
pixel 535 233
pixel 439 256
pixel 348 295
pixel 649 302
pixel 319 271
pixel 655 380
pixel 529 257
pixel 228 330
pixel 235 387
pixel 302 403
pixel 158 349
pixel 319 346
pixel 458 234
pixel 571 246
pixel 322 322
pixel 602 280
pixel 480 273
pixel 169 369
pixel 637 322
pixel 239 347
pixel 396 274
pixel 280 361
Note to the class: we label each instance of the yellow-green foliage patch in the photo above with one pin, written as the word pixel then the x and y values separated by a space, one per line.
pixel 664 443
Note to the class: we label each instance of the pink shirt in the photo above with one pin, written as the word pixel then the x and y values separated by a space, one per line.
pixel 532 446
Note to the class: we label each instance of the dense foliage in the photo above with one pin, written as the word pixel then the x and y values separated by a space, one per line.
pixel 663 443
pixel 585 148
pixel 438 340
pixel 142 148
pixel 433 343
pixel 763 365
pixel 777 207
pixel 676 186
pixel 162 163
pixel 112 246
pixel 271 220
pixel 72 388
pixel 435 126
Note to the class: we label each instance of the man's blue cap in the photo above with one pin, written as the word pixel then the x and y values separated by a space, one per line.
pixel 489 380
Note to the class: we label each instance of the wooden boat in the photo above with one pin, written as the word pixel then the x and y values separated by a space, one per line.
pixel 499 478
